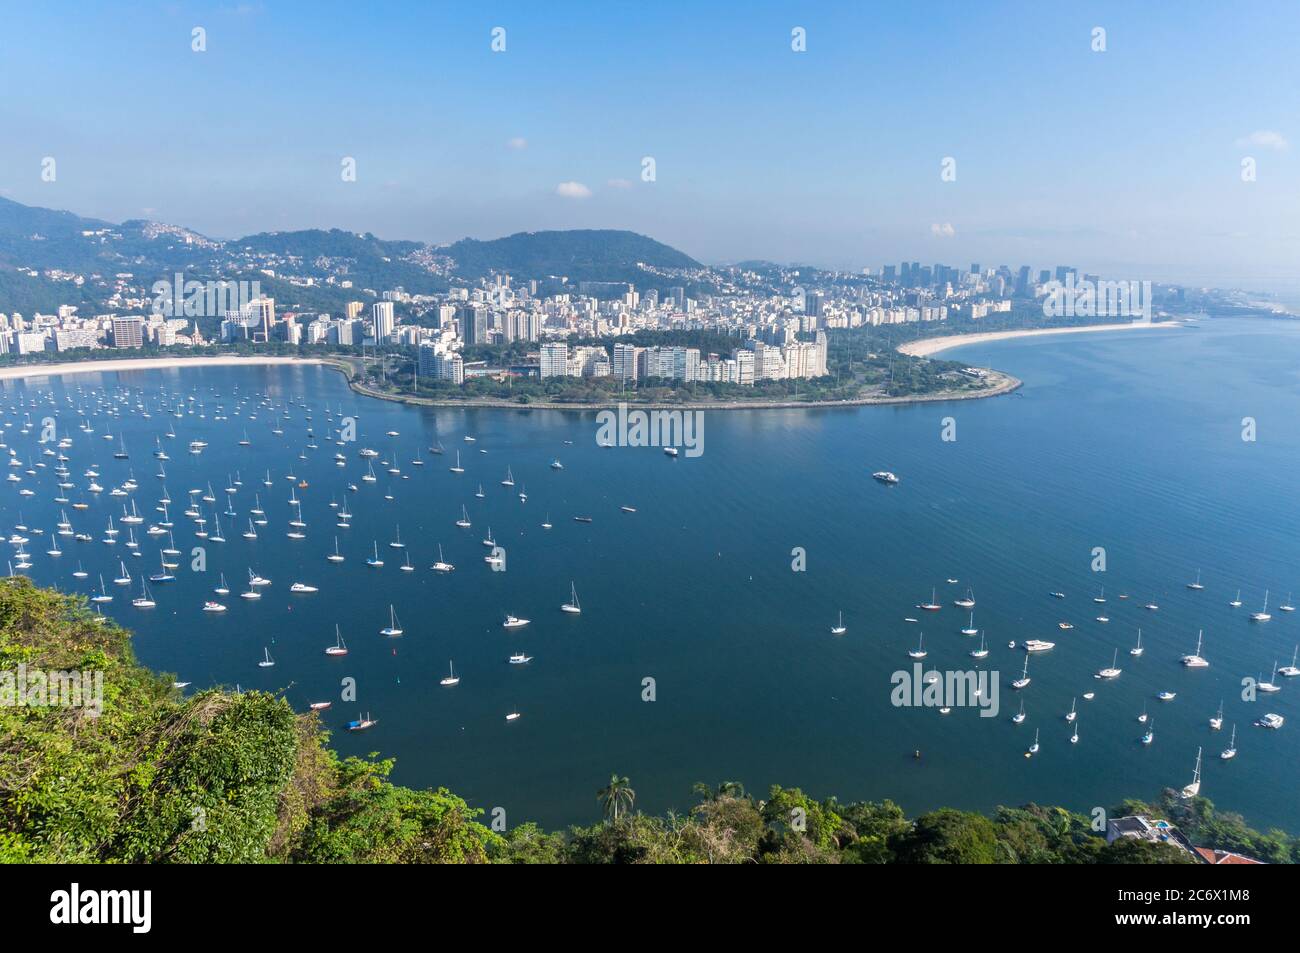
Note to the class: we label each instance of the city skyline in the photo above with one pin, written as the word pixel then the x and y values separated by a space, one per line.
pixel 832 156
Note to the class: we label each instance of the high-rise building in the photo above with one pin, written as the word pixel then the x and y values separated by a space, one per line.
pixel 128 332
pixel 555 359
pixel 382 313
pixel 473 324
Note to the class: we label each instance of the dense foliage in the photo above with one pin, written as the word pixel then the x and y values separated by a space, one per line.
pixel 239 777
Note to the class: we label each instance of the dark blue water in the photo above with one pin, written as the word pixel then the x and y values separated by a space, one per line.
pixel 1128 441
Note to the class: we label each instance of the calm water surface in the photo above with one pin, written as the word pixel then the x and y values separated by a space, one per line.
pixel 1131 442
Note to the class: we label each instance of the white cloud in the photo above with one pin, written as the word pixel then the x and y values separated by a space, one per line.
pixel 572 190
pixel 943 231
pixel 1264 139
pixel 518 142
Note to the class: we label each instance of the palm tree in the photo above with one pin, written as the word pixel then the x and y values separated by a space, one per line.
pixel 617 798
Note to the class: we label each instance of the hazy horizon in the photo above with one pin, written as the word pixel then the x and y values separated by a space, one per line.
pixel 1122 162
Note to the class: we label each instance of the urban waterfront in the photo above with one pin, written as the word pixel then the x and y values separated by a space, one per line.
pixel 1132 443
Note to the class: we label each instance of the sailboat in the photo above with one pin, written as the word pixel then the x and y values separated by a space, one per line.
pixel 1101 596
pixel 1216 722
pixel 441 565
pixel 339 647
pixel 919 652
pixel 1019 716
pixel 451 677
pixel 393 628
pixel 1149 735
pixel 1195 660
pixel 1270 686
pixel 1074 738
pixel 374 560
pixel 144 600
pixel 1286 606
pixel 838 628
pixel 362 722
pixel 1137 650
pixel 266 662
pixel 1236 602
pixel 966 603
pixel 1072 714
pixel 1114 670
pixel 930 606
pixel 1291 671
pixel 982 651
pixel 1262 615
pixel 463 522
pixel 103 593
pixel 406 566
pixel 970 628
pixel 457 468
pixel 1230 752
pixel 546 524
pixel 1194 788
pixel 397 542
pixel 572 605
pixel 1023 680
pixel 479 494
pixel 1142 718
pixel 1033 749
pixel 509 480
pixel 1197 584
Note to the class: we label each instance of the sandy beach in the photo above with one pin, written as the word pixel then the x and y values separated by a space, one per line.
pixel 929 346
pixel 142 364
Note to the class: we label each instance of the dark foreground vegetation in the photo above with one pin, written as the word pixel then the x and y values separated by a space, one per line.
pixel 221 777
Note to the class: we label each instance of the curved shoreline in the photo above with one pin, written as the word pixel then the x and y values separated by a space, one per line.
pixel 928 346
pixel 1004 384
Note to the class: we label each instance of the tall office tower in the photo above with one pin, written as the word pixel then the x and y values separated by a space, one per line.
pixel 261 318
pixel 382 313
pixel 624 363
pixel 679 298
pixel 128 332
pixel 812 304
pixel 890 273
pixel 473 324
pixel 1044 276
pixel 1062 271
pixel 1022 280
pixel 555 359
pixel 352 310
pixel 975 268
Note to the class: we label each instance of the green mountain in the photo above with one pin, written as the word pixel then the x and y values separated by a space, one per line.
pixel 581 254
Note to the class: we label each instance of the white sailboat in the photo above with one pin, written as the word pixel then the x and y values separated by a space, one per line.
pixel 451 678
pixel 838 628
pixel 1271 685
pixel 982 651
pixel 1194 788
pixel 393 629
pixel 1291 671
pixel 463 522
pixel 336 556
pixel 1023 680
pixel 970 627
pixel 339 647
pixel 1286 606
pixel 1033 749
pixel 1216 722
pixel 1230 752
pixel 1072 714
pixel 1236 601
pixel 1195 660
pixel 1074 738
pixel 374 561
pixel 1137 650
pixel 919 652
pixel 1197 583
pixel 266 662
pixel 1263 614
pixel 1019 716
pixel 1114 670
pixel 572 605
pixel 441 565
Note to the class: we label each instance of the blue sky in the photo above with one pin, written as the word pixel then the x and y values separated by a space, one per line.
pixel 1126 161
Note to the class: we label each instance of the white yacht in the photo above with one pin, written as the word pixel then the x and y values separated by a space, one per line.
pixel 1270 686
pixel 919 652
pixel 1291 671
pixel 1263 614
pixel 513 622
pixel 1019 716
pixel 885 476
pixel 519 658
pixel 392 630
pixel 1271 720
pixel 970 627
pixel 266 662
pixel 1195 660
pixel 1286 606
pixel 336 556
pixel 572 605
pixel 1197 583
pixel 1024 679
pixel 1216 722
pixel 339 647
pixel 451 678
pixel 1114 670
pixel 1230 752
pixel 1033 749
pixel 838 628
pixel 1236 602
pixel 1038 645
pixel 441 565
pixel 302 587
pixel 1194 788
pixel 982 651
pixel 1137 650
pixel 1072 713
